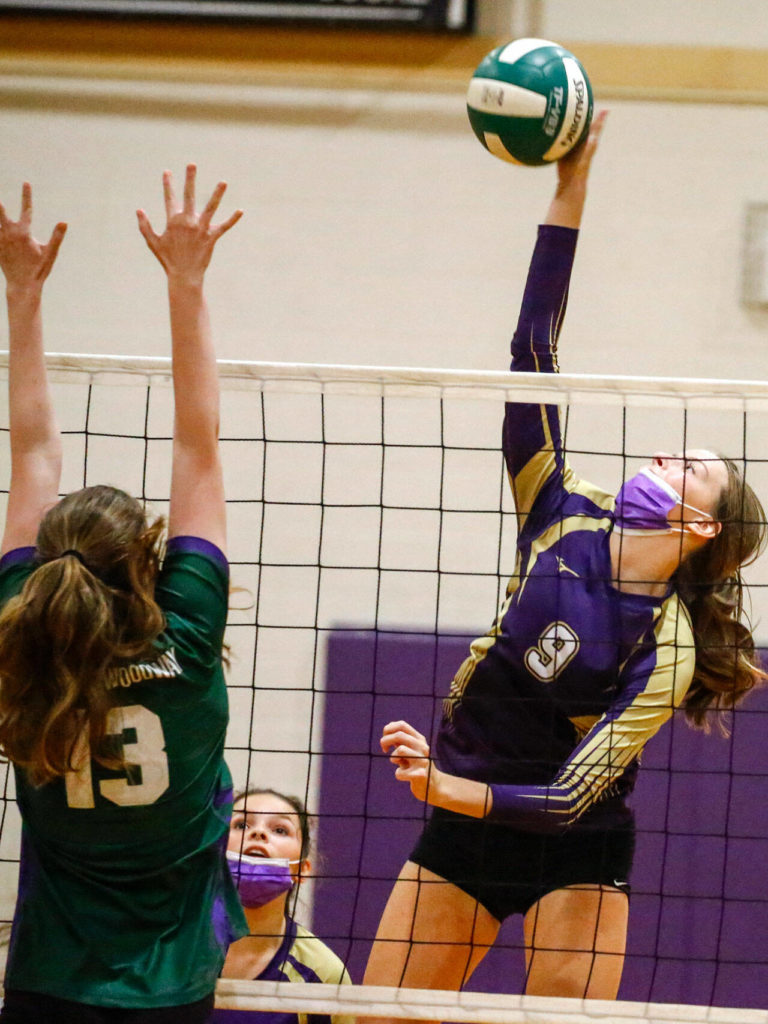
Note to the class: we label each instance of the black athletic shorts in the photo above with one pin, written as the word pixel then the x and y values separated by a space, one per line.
pixel 508 870
pixel 36 1008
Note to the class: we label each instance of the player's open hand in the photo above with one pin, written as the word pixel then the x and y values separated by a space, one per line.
pixel 25 262
pixel 185 247
pixel 574 168
pixel 409 752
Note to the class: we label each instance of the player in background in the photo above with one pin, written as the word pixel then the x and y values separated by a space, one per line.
pixel 269 855
pixel 620 610
pixel 113 705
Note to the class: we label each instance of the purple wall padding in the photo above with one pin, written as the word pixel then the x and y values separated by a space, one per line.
pixel 698 922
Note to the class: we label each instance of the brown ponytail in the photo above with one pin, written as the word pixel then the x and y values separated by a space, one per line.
pixel 710 583
pixel 89 605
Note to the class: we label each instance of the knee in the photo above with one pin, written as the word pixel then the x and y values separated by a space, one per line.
pixel 568 981
pixel 579 977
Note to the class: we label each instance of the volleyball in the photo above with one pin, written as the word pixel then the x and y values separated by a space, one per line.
pixel 530 102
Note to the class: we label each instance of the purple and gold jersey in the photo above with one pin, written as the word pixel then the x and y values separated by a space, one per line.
pixel 553 706
pixel 301 958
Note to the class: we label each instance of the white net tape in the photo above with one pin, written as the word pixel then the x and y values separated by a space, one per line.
pixel 470 1007
pixel 564 388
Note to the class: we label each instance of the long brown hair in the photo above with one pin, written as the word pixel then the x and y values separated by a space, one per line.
pixel 88 605
pixel 710 583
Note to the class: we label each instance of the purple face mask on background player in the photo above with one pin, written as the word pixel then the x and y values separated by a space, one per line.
pixel 260 880
pixel 644 502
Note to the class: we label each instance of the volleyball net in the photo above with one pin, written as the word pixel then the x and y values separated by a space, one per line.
pixel 371 537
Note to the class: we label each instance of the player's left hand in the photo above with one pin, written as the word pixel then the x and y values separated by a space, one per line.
pixel 409 751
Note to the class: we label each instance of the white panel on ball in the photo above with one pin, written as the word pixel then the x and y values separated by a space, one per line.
pixel 519 47
pixel 495 97
pixel 576 110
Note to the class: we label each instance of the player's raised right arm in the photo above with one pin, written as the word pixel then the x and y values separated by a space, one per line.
pixel 35 440
pixel 567 204
pixel 197 506
pixel 531 438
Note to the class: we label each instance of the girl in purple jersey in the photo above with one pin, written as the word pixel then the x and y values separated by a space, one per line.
pixel 620 610
pixel 269 855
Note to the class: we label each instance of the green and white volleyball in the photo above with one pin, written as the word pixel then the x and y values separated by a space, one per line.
pixel 530 102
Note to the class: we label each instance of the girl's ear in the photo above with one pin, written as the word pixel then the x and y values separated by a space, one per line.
pixel 707 529
pixel 304 870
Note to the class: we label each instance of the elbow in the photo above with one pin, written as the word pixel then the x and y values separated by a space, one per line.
pixel 550 810
pixel 197 441
pixel 197 459
pixel 197 416
pixel 560 819
pixel 55 458
pixel 568 820
pixel 40 464
pixel 562 810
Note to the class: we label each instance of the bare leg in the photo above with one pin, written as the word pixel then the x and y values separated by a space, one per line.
pixel 575 940
pixel 431 935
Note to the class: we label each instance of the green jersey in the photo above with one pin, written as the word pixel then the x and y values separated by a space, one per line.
pixel 125 898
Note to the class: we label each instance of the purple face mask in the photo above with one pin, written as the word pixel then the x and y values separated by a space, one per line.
pixel 260 880
pixel 644 503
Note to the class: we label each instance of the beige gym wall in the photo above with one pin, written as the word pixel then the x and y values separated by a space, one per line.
pixel 377 229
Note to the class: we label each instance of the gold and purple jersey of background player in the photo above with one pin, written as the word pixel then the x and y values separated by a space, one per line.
pixel 554 704
pixel 302 959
